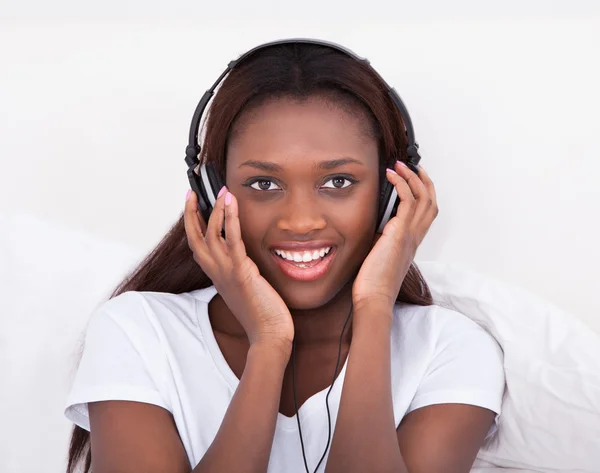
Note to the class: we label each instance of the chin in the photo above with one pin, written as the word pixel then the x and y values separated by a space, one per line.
pixel 301 295
pixel 306 299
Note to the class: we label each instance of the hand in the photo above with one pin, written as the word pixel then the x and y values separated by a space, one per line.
pixel 385 267
pixel 257 306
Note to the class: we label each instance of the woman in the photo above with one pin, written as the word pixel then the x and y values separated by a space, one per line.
pixel 243 342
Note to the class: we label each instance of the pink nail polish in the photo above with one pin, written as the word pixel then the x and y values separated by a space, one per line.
pixel 402 164
pixel 223 189
pixel 189 192
pixel 228 198
pixel 391 170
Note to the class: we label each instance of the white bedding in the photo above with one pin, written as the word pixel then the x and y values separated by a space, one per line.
pixel 550 418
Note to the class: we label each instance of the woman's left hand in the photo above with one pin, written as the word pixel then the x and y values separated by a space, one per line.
pixel 381 275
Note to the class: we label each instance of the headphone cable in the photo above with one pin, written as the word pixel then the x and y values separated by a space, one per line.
pixel 326 397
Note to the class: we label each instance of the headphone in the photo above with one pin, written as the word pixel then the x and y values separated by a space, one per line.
pixel 208 181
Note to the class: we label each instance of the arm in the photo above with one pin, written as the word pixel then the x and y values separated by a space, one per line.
pixel 443 438
pixel 365 435
pixel 129 437
pixel 244 441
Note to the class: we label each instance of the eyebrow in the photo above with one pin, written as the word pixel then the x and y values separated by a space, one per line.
pixel 327 165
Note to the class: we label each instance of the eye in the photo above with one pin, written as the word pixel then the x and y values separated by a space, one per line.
pixel 264 185
pixel 338 182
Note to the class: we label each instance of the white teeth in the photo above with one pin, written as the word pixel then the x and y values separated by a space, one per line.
pixel 302 256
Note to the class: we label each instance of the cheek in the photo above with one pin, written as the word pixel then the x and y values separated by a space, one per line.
pixel 356 220
pixel 359 231
pixel 253 226
pixel 359 214
pixel 366 223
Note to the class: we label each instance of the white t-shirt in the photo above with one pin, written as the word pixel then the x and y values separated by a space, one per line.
pixel 159 348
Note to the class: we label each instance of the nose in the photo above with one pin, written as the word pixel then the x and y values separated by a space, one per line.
pixel 301 215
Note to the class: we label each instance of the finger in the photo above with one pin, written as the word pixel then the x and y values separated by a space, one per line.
pixel 430 190
pixel 237 250
pixel 416 185
pixel 214 240
pixel 408 202
pixel 193 228
pixel 419 190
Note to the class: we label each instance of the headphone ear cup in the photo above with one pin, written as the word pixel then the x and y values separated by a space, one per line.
pixel 198 188
pixel 206 184
pixel 214 179
pixel 388 205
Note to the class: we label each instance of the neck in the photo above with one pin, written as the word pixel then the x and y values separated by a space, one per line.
pixel 323 325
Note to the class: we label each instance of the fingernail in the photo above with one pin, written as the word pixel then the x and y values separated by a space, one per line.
pixel 189 192
pixel 223 189
pixel 391 170
pixel 228 198
pixel 402 164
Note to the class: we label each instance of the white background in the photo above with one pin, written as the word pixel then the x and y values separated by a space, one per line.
pixel 96 99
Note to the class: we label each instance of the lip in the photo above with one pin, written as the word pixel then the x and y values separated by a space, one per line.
pixel 302 245
pixel 305 274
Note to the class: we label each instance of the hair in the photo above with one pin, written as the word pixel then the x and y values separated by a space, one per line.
pixel 296 71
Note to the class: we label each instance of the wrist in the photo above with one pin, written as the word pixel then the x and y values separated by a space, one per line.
pixel 278 350
pixel 372 315
pixel 373 304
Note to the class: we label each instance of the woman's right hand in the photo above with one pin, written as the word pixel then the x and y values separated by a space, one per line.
pixel 253 301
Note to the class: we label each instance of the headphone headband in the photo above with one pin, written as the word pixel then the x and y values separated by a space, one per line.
pixel 193 149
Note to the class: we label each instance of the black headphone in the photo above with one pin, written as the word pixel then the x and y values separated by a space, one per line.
pixel 207 183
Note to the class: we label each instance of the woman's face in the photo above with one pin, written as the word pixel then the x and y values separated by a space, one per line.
pixel 306 178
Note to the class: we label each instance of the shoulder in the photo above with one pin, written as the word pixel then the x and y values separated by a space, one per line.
pixel 146 308
pixel 448 343
pixel 439 326
pixel 457 360
pixel 148 320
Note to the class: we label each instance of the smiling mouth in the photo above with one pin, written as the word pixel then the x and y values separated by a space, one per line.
pixel 313 264
pixel 303 259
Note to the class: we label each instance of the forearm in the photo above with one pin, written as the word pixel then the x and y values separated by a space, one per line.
pixel 365 432
pixel 244 440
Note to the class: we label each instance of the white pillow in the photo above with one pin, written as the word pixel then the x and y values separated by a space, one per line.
pixel 51 278
pixel 550 417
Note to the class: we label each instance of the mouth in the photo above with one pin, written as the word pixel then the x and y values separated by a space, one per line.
pixel 304 265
